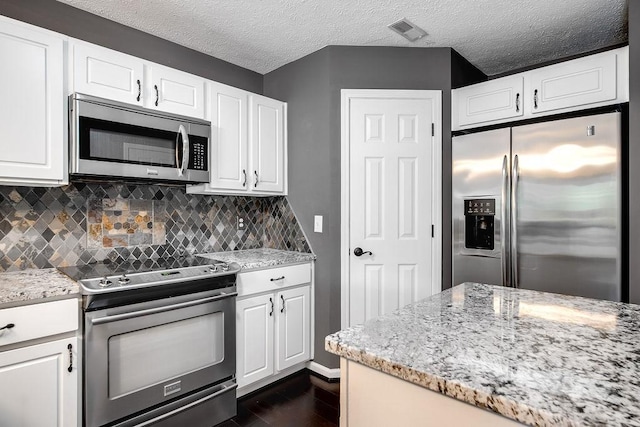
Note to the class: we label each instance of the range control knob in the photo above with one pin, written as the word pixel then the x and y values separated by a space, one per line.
pixel 104 282
pixel 123 280
pixel 213 269
pixel 224 267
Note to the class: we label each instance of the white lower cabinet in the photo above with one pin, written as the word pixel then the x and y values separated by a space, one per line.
pixel 254 334
pixel 292 331
pixel 273 323
pixel 37 387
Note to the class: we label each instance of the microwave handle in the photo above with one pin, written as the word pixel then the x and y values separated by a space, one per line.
pixel 185 150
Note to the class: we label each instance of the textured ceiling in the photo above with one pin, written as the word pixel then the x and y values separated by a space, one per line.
pixel 262 35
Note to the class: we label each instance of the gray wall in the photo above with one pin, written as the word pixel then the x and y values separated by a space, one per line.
pixel 634 152
pixel 312 87
pixel 82 25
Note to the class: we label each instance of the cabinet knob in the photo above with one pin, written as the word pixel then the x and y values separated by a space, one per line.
pixel 157 94
pixel 282 309
pixel 139 90
pixel 256 183
pixel 271 301
pixel 244 179
pixel 517 102
pixel 535 98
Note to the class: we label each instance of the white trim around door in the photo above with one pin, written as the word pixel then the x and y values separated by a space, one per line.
pixel 347 95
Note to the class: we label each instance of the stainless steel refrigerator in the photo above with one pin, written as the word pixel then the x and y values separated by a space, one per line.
pixel 538 207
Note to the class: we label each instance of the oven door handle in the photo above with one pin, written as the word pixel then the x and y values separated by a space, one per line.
pixel 140 313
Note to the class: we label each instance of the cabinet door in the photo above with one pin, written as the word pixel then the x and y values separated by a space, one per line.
pixel 32 106
pixel 579 82
pixel 107 74
pixel 174 91
pixel 292 325
pixel 493 100
pixel 36 387
pixel 254 334
pixel 229 144
pixel 267 145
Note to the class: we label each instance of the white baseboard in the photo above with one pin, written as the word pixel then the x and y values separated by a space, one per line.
pixel 331 373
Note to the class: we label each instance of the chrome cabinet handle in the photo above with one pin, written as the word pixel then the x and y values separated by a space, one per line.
pixel 70 348
pixel 157 94
pixel 256 182
pixel 282 309
pixel 139 90
pixel 535 98
pixel 271 301
pixel 515 178
pixel 8 326
pixel 517 102
pixel 276 279
pixel 504 220
pixel 244 180
pixel 182 131
pixel 360 252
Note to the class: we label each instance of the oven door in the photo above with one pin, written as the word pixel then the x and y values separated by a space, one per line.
pixel 121 141
pixel 151 353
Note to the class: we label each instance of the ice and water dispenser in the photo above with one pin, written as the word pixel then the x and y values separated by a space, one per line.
pixel 479 228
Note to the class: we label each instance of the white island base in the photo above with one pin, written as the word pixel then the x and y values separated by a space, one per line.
pixel 372 398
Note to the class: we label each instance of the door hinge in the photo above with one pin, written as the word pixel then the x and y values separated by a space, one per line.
pixel 433 230
pixel 433 129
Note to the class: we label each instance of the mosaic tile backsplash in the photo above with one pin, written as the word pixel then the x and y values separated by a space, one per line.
pixel 84 223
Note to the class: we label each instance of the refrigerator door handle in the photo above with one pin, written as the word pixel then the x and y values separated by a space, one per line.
pixel 515 178
pixel 503 221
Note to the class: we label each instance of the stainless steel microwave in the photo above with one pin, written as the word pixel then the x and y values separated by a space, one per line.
pixel 116 141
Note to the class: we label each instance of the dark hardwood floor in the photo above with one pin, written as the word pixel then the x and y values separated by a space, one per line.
pixel 301 400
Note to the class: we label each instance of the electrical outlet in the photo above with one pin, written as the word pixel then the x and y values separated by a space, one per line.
pixel 317 223
pixel 240 223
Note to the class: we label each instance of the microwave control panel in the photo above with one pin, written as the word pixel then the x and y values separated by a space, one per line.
pixel 199 153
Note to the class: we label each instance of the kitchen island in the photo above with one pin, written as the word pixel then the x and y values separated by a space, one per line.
pixel 536 358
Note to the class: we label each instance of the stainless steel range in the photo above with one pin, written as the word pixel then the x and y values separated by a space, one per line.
pixel 159 342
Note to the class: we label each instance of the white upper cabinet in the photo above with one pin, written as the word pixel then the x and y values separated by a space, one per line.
pixel 582 81
pixel 33 148
pixel 248 143
pixel 589 82
pixel 494 100
pixel 173 91
pixel 109 74
pixel 229 116
pixel 267 144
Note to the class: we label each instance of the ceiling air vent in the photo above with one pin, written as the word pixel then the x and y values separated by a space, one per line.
pixel 408 30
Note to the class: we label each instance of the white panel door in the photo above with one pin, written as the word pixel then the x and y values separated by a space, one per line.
pixel 32 106
pixel 267 144
pixel 107 74
pixel 390 156
pixel 492 100
pixel 229 143
pixel 254 334
pixel 174 91
pixel 292 325
pixel 36 387
pixel 578 82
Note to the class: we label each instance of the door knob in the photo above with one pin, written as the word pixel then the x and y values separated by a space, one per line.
pixel 359 252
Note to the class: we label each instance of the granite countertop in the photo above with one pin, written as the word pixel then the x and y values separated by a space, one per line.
pixel 250 259
pixel 34 284
pixel 539 358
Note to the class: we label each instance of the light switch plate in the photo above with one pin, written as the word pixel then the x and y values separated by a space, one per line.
pixel 317 223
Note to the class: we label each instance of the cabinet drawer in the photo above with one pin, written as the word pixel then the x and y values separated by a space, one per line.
pixel 38 320
pixel 272 279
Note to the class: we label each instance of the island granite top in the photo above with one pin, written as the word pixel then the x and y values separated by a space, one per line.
pixel 32 285
pixel 250 259
pixel 539 358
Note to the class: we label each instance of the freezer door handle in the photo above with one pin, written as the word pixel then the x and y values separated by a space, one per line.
pixel 503 221
pixel 515 178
